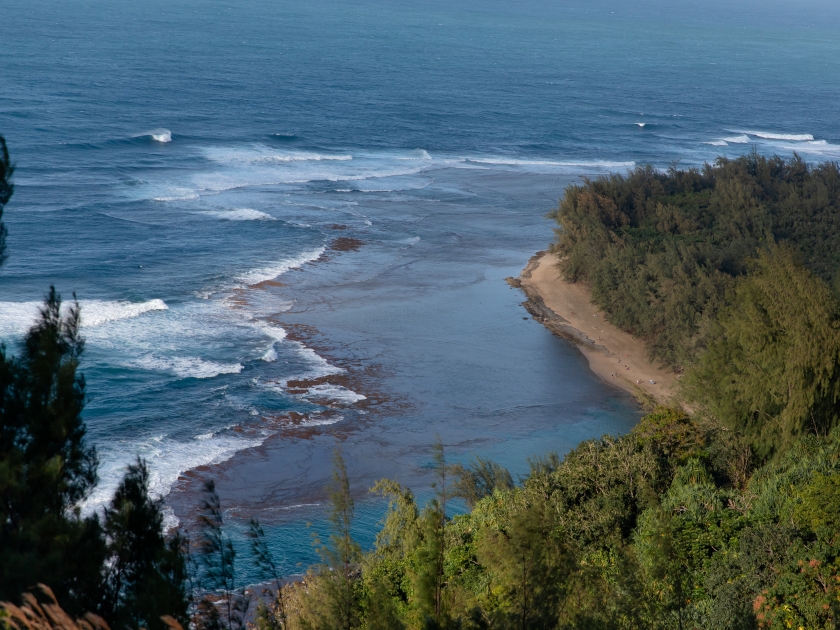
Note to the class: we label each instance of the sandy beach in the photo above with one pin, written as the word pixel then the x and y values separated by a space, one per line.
pixel 566 309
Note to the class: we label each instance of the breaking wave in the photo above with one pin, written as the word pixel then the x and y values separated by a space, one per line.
pixel 17 317
pixel 767 135
pixel 239 214
pixel 186 367
pixel 255 276
pixel 158 135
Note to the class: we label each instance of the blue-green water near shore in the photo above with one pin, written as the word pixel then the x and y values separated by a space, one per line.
pixel 388 165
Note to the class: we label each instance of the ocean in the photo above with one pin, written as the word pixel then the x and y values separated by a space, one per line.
pixel 288 224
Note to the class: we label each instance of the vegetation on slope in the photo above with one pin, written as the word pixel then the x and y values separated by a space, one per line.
pixel 663 251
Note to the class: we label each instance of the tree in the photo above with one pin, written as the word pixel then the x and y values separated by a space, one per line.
pixel 146 574
pixel 46 466
pixel 333 603
pixel 479 479
pixel 275 617
pixel 6 190
pixel 218 558
pixel 531 568
pixel 772 367
pixel 430 549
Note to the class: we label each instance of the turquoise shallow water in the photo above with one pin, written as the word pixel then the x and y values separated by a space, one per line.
pixel 170 155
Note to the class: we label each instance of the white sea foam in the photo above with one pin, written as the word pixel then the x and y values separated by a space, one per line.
pixel 158 135
pixel 410 241
pixel 768 135
pixel 270 355
pixel 319 421
pixel 17 317
pixel 177 194
pixel 239 214
pixel 186 367
pixel 255 276
pixel 167 460
pixel 319 366
pixel 261 154
pixel 550 163
pixel 418 154
pixel 818 147
pixel 742 139
pixel 334 392
pixel 717 143
pixel 640 124
pixel 96 312
pixel 275 332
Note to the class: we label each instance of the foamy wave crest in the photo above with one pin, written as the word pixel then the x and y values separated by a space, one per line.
pixel 717 143
pixel 177 194
pixel 260 154
pixel 262 274
pixel 167 460
pixel 317 421
pixel 417 154
pixel 17 317
pixel 186 367
pixel 550 163
pixel 319 365
pixel 239 214
pixel 158 135
pixel 742 139
pixel 334 392
pixel 96 313
pixel 768 135
pixel 817 147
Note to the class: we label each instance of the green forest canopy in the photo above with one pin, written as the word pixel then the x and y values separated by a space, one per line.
pixel 729 273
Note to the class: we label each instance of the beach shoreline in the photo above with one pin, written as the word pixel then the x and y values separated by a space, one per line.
pixel 566 309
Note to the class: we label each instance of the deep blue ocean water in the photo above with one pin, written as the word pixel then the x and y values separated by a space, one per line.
pixel 171 156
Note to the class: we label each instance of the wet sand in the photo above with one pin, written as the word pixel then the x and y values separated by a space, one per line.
pixel 617 357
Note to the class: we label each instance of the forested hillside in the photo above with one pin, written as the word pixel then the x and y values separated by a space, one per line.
pixel 662 250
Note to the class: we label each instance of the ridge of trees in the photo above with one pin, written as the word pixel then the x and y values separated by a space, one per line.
pixel 662 251
pixel 729 273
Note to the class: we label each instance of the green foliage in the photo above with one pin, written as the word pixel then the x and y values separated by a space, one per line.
pixel 479 479
pixel 771 369
pixel 661 250
pixel 274 616
pixel 334 601
pixel 530 569
pixel 218 559
pixel 124 568
pixel 147 574
pixel 46 467
pixel 655 529
pixel 428 572
pixel 730 271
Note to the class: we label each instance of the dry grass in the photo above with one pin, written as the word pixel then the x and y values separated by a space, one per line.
pixel 35 615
